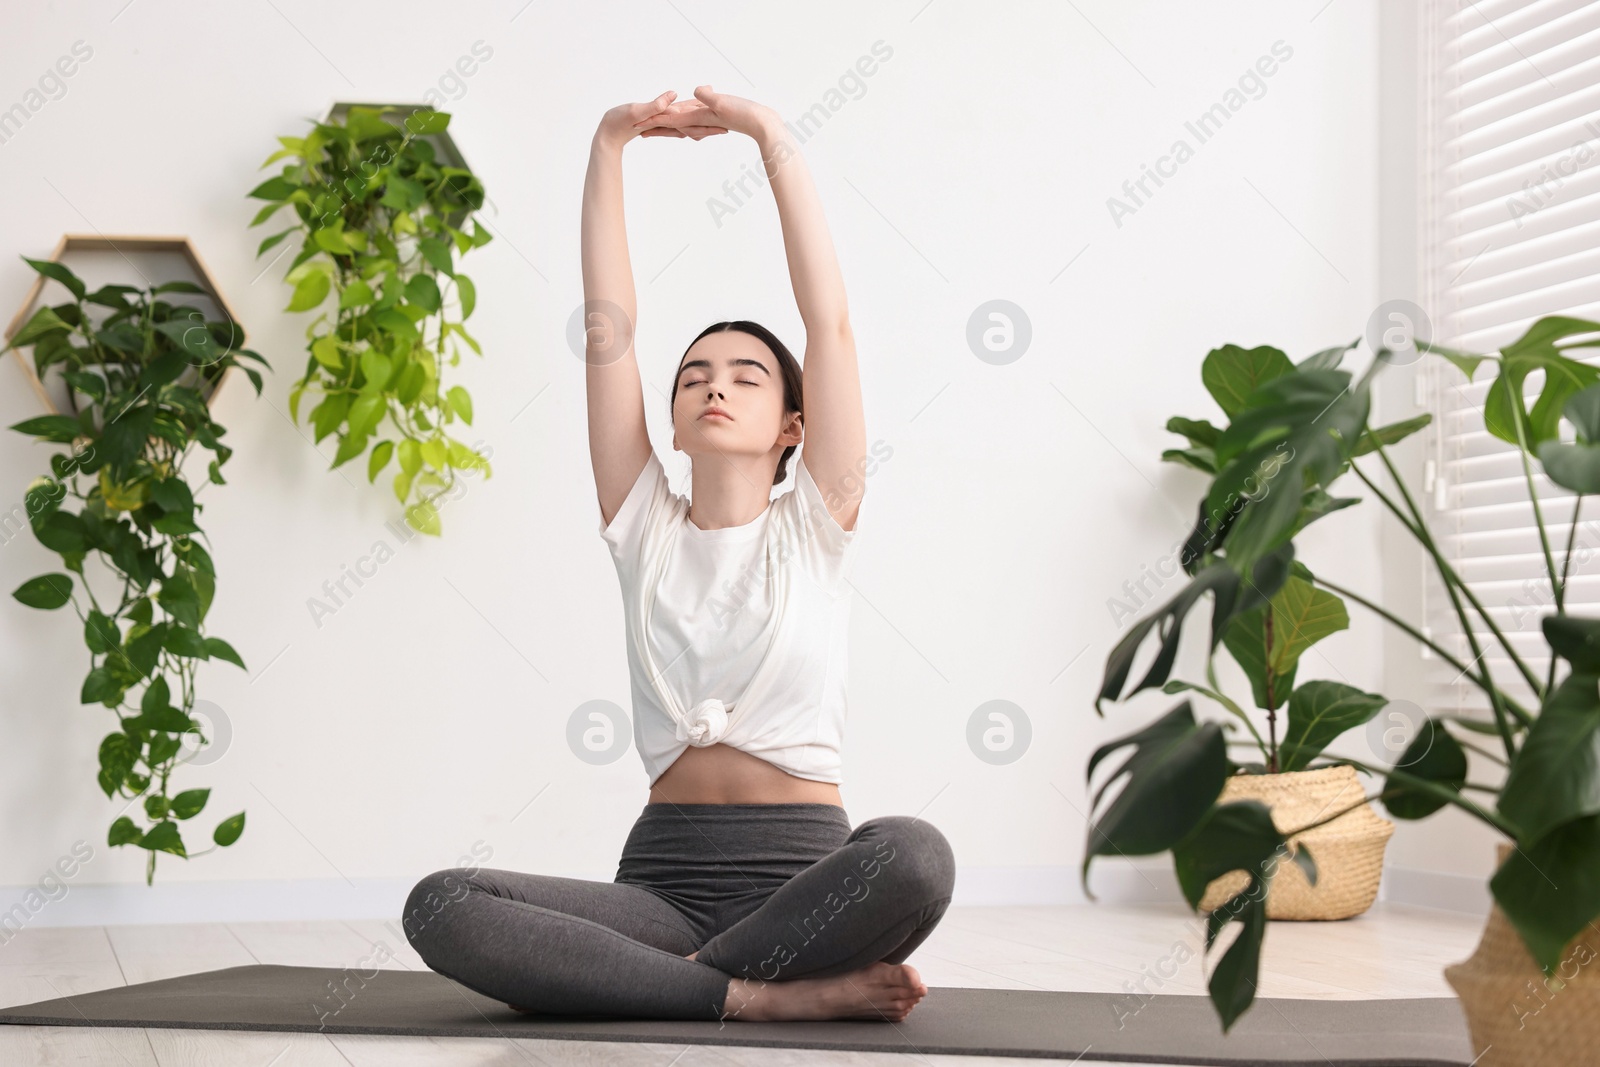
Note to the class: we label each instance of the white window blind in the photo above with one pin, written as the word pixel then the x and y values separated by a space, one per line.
pixel 1510 231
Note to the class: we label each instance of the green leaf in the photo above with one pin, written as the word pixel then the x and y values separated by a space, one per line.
pixel 311 291
pixel 100 632
pixel 467 293
pixel 326 352
pixel 1231 373
pixel 1295 432
pixel 1550 890
pixel 437 253
pixel 229 829
pixel 1564 377
pixel 164 837
pixel 267 244
pixel 1302 615
pixel 1201 459
pixel 273 189
pixel 1239 835
pixel 1201 434
pixel 435 453
pixel 1319 712
pixel 44 323
pixel 1555 777
pixel 60 429
pixel 1231 594
pixel 423 291
pixel 410 455
pixel 330 239
pixel 1571 466
pixel 1575 640
pixel 157 695
pixel 1583 411
pixel 1175 773
pixel 357 294
pixel 366 413
pixel 423 518
pixel 123 832
pixel 375 365
pixel 59 272
pixel 47 591
pixel 379 459
pixel 1390 434
pixel 190 802
pixel 350 446
pixel 62 532
pixel 1435 756
pixel 461 400
pixel 182 641
pixel 217 648
pixel 97 686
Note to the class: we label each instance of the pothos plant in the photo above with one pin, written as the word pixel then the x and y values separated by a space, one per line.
pixel 1241 553
pixel 381 222
pixel 142 367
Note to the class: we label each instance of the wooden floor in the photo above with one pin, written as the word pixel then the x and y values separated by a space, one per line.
pixel 1391 951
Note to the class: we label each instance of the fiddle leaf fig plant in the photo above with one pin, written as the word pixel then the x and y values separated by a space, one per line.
pixel 139 368
pixel 382 223
pixel 1295 429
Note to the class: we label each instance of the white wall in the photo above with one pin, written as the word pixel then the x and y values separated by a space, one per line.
pixel 974 164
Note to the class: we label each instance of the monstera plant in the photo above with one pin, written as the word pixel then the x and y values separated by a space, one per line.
pixel 381 223
pixel 139 368
pixel 1294 431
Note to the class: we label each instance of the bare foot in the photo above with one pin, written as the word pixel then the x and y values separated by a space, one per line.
pixel 886 991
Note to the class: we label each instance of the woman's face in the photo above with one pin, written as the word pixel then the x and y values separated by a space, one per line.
pixel 738 374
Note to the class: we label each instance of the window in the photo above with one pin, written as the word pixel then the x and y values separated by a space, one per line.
pixel 1510 232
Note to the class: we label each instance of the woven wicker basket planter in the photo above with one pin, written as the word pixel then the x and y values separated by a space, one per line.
pixel 1519 1017
pixel 1348 851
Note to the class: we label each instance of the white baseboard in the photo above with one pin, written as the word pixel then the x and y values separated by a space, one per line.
pixel 1468 894
pixel 1126 882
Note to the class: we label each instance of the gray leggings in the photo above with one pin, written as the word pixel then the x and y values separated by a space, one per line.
pixel 765 892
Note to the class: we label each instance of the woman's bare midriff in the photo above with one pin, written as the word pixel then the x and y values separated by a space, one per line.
pixel 720 774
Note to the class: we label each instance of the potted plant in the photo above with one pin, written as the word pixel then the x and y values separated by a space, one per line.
pixel 1546 887
pixel 1267 643
pixel 381 223
pixel 145 366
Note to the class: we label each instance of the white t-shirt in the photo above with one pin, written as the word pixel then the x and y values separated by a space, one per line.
pixel 716 601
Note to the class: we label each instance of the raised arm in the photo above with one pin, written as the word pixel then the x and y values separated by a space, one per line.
pixel 835 442
pixel 619 444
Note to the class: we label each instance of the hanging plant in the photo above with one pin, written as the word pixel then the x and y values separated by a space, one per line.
pixel 138 379
pixel 381 224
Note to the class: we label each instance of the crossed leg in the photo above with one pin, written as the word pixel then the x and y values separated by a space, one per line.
pixel 564 946
pixel 830 942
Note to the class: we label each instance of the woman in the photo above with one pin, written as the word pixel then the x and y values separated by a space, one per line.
pixel 742 891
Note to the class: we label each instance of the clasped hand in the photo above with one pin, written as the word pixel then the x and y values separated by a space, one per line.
pixel 706 115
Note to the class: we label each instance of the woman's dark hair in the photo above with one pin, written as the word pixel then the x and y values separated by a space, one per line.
pixel 793 401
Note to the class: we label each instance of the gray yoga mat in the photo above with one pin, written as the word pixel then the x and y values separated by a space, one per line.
pixel 1416 1032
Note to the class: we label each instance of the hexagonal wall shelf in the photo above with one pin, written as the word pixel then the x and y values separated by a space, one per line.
pixel 103 260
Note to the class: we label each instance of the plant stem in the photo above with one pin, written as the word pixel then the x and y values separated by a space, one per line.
pixel 1485 753
pixel 1517 416
pixel 1444 793
pixel 1561 590
pixel 1266 672
pixel 1215 693
pixel 1481 681
pixel 1451 581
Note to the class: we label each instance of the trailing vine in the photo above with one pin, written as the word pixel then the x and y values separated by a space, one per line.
pixel 138 379
pixel 381 223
